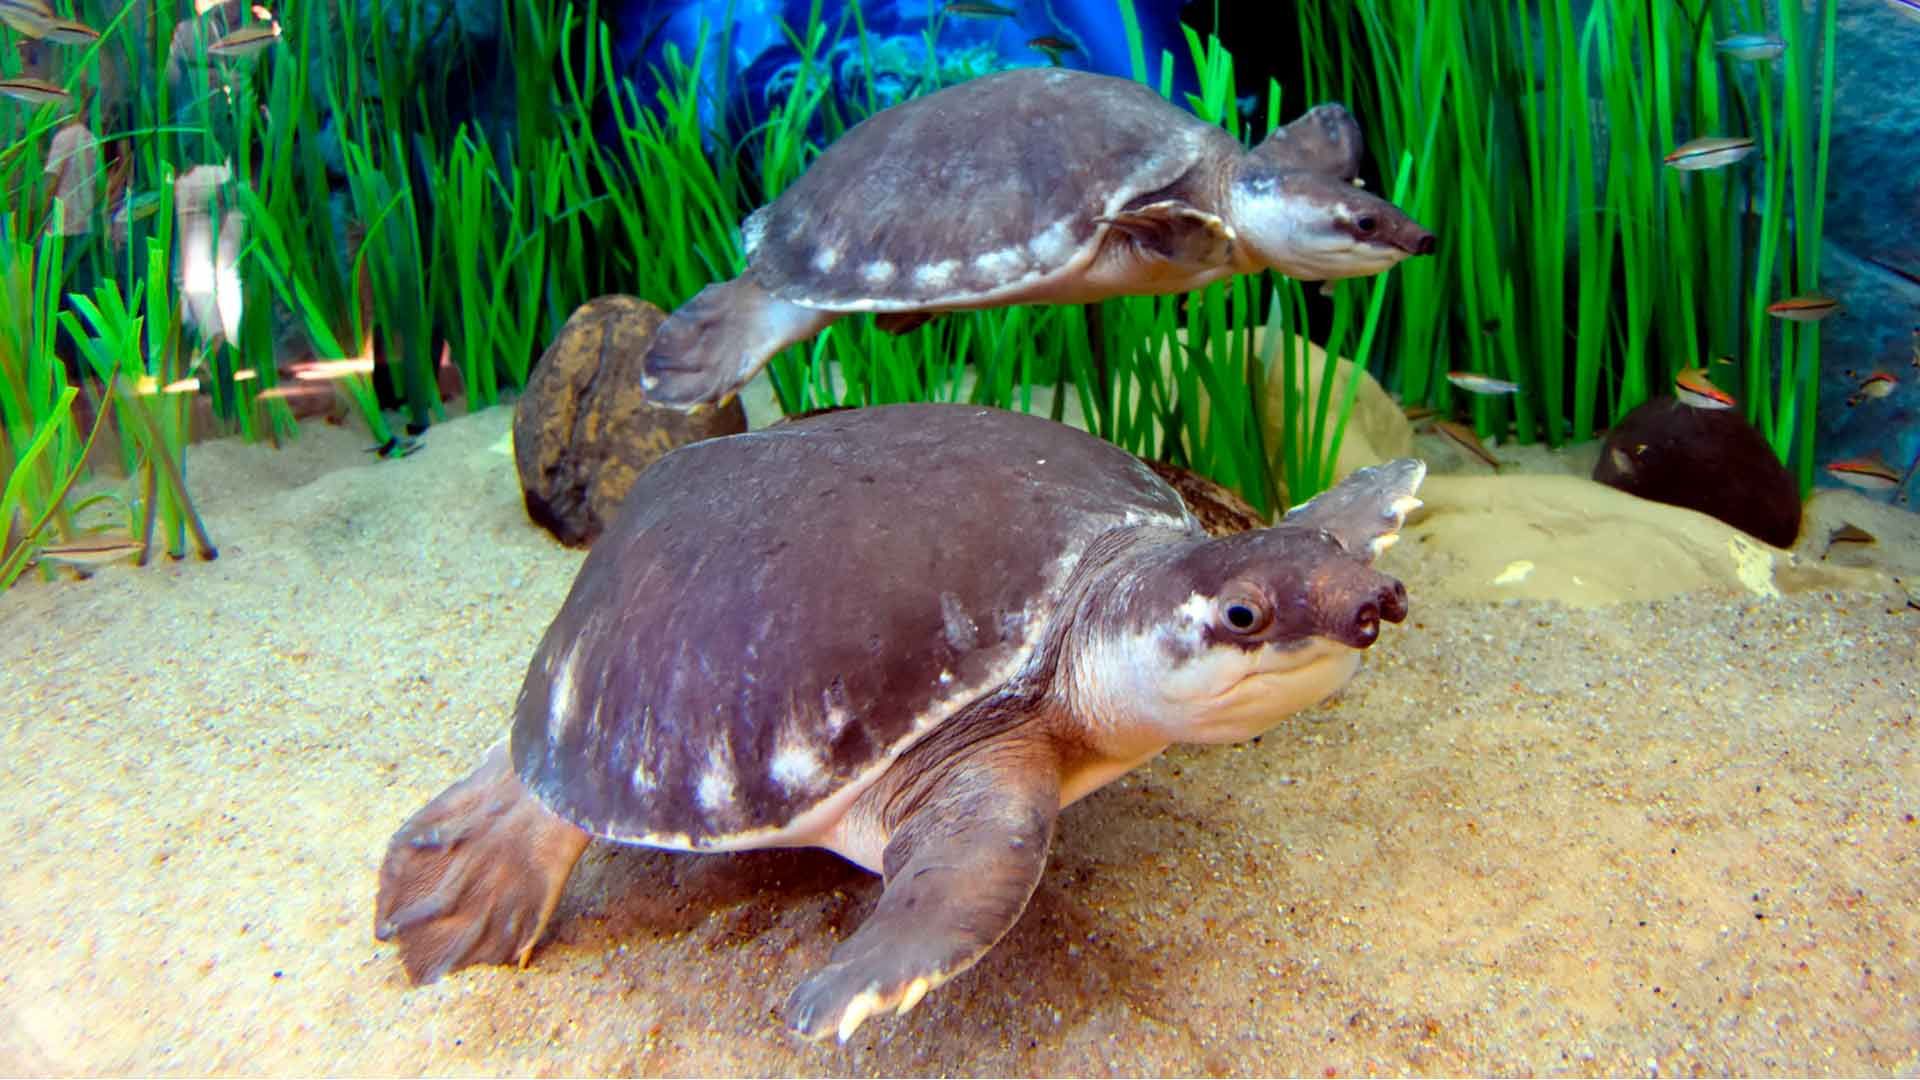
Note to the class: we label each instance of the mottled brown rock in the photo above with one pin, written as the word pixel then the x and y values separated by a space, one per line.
pixel 1221 510
pixel 1710 460
pixel 583 431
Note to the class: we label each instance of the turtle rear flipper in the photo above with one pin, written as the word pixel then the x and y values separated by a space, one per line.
pixel 715 342
pixel 474 875
pixel 959 872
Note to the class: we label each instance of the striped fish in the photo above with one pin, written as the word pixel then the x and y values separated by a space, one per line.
pixel 1710 152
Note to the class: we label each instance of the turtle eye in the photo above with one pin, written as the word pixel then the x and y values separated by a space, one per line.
pixel 1243 613
pixel 1366 223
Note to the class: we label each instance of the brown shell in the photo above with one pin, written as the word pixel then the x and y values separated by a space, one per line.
pixel 774 613
pixel 980 189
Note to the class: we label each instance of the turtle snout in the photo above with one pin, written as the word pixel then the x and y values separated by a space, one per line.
pixel 1361 626
pixel 1426 243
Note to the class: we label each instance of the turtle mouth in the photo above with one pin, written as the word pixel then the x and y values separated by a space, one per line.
pixel 1255 691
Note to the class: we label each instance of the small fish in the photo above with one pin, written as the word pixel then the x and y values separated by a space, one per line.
pixel 1877 385
pixel 1867 473
pixel 250 41
pixel 1474 383
pixel 188 385
pixel 1849 533
pixel 208 270
pixel 1463 437
pixel 1710 152
pixel 1693 387
pixel 396 446
pixel 71 32
pixel 1054 47
pixel 287 391
pixel 979 9
pixel 314 370
pixel 30 18
pixel 1909 8
pixel 1753 46
pixel 73 159
pixel 93 552
pixel 136 207
pixel 1811 307
pixel 34 91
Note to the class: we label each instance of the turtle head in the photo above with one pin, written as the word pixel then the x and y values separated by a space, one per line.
pixel 1316 226
pixel 1218 640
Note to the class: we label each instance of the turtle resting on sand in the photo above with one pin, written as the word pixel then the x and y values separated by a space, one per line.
pixel 1037 185
pixel 810 636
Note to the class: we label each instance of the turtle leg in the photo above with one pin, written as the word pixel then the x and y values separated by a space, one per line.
pixel 902 322
pixel 708 348
pixel 959 867
pixel 474 875
pixel 1183 235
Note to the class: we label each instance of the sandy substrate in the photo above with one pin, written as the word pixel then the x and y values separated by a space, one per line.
pixel 1675 834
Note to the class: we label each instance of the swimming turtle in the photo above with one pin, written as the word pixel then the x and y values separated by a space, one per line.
pixel 805 636
pixel 1036 185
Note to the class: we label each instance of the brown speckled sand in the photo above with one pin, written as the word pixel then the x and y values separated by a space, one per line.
pixel 1656 837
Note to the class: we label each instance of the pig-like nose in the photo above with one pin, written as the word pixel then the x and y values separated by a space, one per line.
pixel 1362 625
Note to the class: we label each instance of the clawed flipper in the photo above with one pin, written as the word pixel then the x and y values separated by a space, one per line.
pixel 1178 232
pixel 959 872
pixel 1324 139
pixel 473 876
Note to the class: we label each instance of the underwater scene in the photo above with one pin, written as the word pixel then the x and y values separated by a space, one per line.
pixel 948 537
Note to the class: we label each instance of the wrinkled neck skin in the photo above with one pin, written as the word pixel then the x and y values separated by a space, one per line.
pixel 1134 681
pixel 1297 223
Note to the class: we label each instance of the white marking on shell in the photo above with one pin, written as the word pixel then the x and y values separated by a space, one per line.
pixel 936 275
pixel 826 259
pixel 1054 245
pixel 796 768
pixel 961 632
pixel 877 272
pixel 560 695
pixel 643 781
pixel 753 230
pixel 999 264
pixel 827 823
pixel 716 788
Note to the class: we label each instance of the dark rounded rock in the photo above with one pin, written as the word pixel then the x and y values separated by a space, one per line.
pixel 583 431
pixel 1710 460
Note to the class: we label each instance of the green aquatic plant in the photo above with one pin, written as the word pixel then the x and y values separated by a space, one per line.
pixel 135 346
pixel 41 449
pixel 1573 260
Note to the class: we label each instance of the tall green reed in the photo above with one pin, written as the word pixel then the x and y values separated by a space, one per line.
pixel 1573 260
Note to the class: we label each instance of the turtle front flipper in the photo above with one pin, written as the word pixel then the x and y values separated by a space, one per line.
pixel 959 871
pixel 1324 139
pixel 1189 238
pixel 1366 510
pixel 715 342
pixel 474 875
